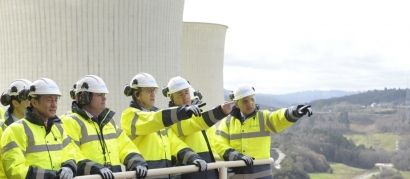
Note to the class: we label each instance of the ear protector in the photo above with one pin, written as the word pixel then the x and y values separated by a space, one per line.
pixel 84 97
pixel 232 96
pixel 199 94
pixel 72 92
pixel 128 90
pixel 165 91
pixel 6 98
pixel 23 93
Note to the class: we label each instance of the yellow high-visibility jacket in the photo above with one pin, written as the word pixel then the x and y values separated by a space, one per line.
pixel 32 150
pixel 192 132
pixel 157 144
pixel 100 142
pixel 2 128
pixel 251 137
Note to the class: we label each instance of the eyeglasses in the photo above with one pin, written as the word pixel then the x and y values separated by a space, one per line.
pixel 150 90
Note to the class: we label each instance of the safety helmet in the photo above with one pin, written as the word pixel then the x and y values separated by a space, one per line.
pixel 143 80
pixel 17 85
pixel 39 87
pixel 175 84
pixel 195 94
pixel 14 89
pixel 91 83
pixel 241 91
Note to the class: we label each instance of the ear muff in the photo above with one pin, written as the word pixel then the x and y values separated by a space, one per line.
pixel 199 94
pixel 84 97
pixel 23 93
pixel 165 91
pixel 5 99
pixel 72 92
pixel 231 96
pixel 127 90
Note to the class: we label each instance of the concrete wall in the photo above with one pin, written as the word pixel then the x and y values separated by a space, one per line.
pixel 67 39
pixel 202 59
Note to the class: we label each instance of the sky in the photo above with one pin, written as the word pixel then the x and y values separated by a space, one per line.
pixel 288 46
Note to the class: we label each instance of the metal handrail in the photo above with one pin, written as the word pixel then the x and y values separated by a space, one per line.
pixel 222 166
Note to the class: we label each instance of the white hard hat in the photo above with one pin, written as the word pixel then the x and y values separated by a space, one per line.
pixel 242 91
pixel 143 80
pixel 177 84
pixel 18 85
pixel 44 86
pixel 91 83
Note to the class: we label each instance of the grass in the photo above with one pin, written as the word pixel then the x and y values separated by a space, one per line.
pixel 377 140
pixel 341 171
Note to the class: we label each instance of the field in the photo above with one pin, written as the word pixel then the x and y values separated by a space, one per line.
pixel 341 171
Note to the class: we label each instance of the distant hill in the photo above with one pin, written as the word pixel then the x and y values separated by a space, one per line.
pixel 268 101
pixel 386 96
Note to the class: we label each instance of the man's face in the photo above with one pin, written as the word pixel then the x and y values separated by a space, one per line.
pixel 46 106
pixel 247 104
pixel 97 102
pixel 181 97
pixel 147 97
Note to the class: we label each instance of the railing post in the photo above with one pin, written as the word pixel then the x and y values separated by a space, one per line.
pixel 223 172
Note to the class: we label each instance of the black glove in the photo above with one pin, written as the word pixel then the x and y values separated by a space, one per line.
pixel 106 173
pixel 65 173
pixel 247 159
pixel 201 164
pixel 194 109
pixel 304 109
pixel 196 102
pixel 141 171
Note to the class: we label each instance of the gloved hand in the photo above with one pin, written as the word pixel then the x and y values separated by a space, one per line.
pixel 194 109
pixel 196 102
pixel 106 173
pixel 141 172
pixel 304 109
pixel 247 159
pixel 201 164
pixel 65 173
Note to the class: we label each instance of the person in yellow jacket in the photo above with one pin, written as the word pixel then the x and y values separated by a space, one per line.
pixel 37 146
pixel 245 133
pixel 192 131
pixel 16 109
pixel 147 125
pixel 103 147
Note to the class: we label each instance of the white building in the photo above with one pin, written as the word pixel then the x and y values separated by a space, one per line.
pixel 65 40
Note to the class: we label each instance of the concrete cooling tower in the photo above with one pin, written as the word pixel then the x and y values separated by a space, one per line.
pixel 67 39
pixel 203 58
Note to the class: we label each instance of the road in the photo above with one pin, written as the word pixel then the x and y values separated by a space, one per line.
pixel 366 176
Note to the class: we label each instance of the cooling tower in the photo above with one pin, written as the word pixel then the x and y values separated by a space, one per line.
pixel 203 58
pixel 67 39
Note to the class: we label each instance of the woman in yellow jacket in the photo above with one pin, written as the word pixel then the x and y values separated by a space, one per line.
pixel 245 133
pixel 146 125
pixel 37 146
pixel 192 131
pixel 102 146
pixel 16 109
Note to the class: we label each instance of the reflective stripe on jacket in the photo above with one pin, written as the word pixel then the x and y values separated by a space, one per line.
pixel 157 144
pixel 251 137
pixel 191 132
pixel 30 150
pixel 100 142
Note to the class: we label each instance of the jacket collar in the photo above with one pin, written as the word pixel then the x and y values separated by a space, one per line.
pixel 236 112
pixel 8 117
pixel 103 118
pixel 134 104
pixel 37 120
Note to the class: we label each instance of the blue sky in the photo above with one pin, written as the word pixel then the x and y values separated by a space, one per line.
pixel 287 46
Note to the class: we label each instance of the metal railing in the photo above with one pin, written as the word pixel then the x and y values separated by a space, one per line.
pixel 221 166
